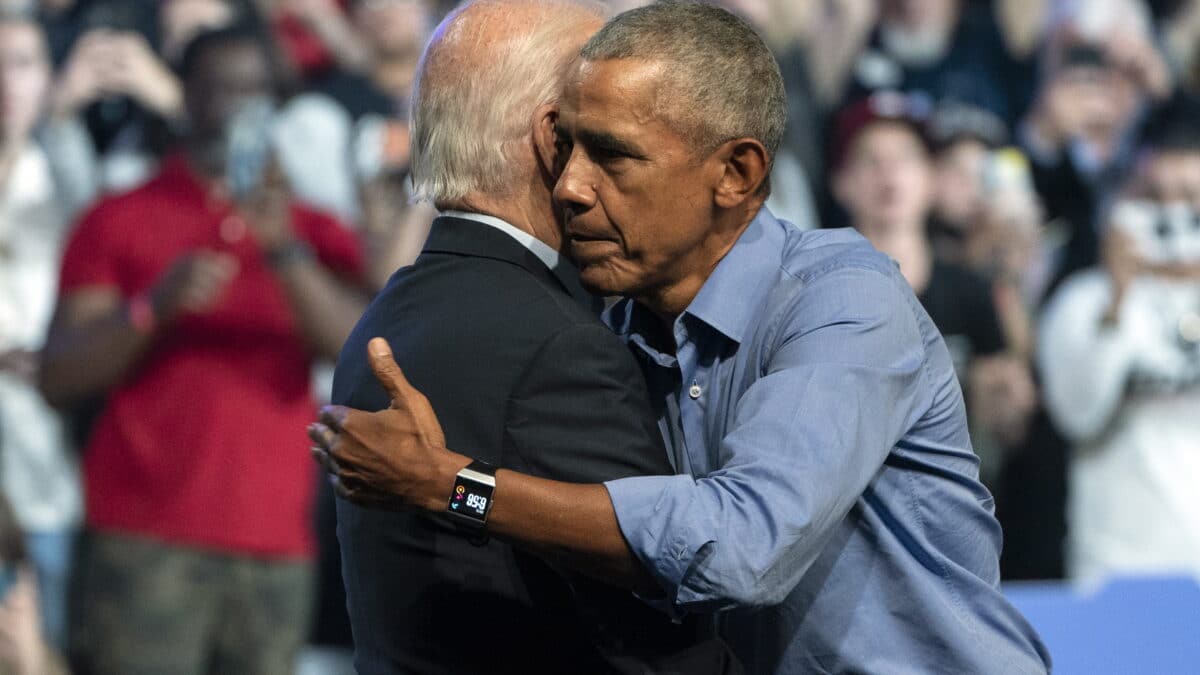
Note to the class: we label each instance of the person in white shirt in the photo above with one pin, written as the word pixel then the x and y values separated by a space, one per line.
pixel 1120 357
pixel 37 470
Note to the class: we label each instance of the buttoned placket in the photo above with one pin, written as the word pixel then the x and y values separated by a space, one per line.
pixel 690 397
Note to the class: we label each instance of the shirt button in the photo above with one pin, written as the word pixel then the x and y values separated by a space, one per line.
pixel 695 391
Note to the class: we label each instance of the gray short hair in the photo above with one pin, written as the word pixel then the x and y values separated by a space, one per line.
pixel 722 81
pixel 473 98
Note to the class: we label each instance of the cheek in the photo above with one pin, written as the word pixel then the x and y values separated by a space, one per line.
pixel 23 95
pixel 656 217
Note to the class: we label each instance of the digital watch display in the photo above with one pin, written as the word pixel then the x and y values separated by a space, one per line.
pixel 471 498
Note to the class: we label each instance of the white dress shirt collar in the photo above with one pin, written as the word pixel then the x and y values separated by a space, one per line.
pixel 536 246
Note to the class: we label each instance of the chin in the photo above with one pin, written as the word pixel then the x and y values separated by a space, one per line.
pixel 600 280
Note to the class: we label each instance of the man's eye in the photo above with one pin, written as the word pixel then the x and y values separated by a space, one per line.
pixel 608 154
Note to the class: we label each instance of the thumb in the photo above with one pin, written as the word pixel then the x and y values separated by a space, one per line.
pixel 386 370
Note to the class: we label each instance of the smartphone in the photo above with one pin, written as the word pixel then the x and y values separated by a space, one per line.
pixel 249 147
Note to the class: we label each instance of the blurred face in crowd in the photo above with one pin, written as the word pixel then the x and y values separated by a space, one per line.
pixel 225 76
pixel 886 181
pixel 182 20
pixel 1091 90
pixel 1174 176
pixel 959 172
pixel 638 198
pixel 393 27
pixel 24 78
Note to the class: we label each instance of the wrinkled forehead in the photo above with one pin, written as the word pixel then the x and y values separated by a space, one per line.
pixel 620 91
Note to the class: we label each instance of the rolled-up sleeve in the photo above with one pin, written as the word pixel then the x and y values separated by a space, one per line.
pixel 842 384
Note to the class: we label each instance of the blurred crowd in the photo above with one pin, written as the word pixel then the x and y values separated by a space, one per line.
pixel 198 198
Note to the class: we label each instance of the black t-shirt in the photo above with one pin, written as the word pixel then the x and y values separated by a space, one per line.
pixel 961 304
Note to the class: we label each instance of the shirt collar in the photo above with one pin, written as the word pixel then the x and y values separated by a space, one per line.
pixel 539 248
pixel 730 296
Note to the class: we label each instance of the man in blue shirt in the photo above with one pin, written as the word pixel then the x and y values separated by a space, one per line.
pixel 826 492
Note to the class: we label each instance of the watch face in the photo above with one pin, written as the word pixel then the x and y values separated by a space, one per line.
pixel 471 499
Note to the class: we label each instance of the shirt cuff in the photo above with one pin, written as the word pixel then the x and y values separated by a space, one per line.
pixel 652 514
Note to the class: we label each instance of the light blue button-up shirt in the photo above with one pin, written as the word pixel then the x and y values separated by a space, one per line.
pixel 827 488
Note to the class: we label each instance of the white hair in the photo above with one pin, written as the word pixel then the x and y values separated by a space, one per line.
pixel 474 97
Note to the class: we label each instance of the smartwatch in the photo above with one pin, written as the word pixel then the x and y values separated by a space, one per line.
pixel 471 498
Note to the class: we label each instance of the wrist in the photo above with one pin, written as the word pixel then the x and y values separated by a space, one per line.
pixel 165 100
pixel 440 486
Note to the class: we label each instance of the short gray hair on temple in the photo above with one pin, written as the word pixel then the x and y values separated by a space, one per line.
pixel 722 82
pixel 478 85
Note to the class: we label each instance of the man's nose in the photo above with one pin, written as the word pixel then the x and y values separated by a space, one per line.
pixel 574 191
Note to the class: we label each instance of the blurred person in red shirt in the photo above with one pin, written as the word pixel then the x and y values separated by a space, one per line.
pixel 197 316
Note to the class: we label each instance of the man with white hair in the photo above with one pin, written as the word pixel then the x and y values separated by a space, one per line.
pixel 497 330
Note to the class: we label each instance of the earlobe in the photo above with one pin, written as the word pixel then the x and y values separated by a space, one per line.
pixel 544 120
pixel 744 169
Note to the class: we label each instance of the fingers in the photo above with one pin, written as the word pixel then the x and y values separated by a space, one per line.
pixel 325 461
pixel 322 435
pixel 387 371
pixel 334 417
pixel 340 489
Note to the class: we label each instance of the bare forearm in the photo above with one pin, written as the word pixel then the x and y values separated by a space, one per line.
pixel 571 525
pixel 325 309
pixel 339 38
pixel 1020 23
pixel 88 359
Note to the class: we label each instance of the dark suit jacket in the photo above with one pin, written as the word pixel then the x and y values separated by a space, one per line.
pixel 522 375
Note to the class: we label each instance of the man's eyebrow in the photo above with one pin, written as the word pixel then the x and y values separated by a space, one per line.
pixel 602 140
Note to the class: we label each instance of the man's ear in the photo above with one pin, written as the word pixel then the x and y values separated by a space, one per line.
pixel 544 120
pixel 744 168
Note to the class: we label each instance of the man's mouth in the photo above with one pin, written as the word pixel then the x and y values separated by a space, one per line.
pixel 573 236
pixel 580 235
pixel 588 247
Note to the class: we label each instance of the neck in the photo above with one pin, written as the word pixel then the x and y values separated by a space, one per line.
pixel 519 212
pixel 909 247
pixel 667 301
